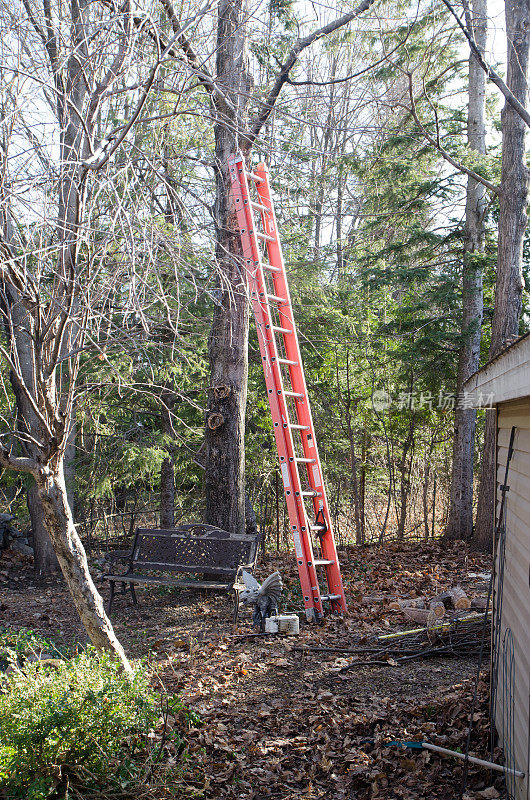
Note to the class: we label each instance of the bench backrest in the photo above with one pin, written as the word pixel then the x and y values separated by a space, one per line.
pixel 167 550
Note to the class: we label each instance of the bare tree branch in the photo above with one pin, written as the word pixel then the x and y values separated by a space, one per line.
pixel 17 463
pixel 292 58
pixel 109 145
pixel 203 75
pixel 435 141
pixel 490 72
pixel 332 81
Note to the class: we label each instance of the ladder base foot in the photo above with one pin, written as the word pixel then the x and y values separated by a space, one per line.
pixel 312 615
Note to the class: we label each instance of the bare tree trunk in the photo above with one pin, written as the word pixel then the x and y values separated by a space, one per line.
pixel 70 465
pixel 167 469
pixel 358 518
pixel 512 226
pixel 405 468
pixel 460 521
pixel 51 491
pixel 44 558
pixel 167 493
pixel 228 342
pixel 362 481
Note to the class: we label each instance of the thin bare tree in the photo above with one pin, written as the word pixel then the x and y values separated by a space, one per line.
pixel 71 237
pixel 460 520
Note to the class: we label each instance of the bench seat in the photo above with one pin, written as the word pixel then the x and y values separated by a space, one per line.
pixel 176 582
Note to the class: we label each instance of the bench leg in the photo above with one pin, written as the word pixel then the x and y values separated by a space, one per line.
pixel 135 599
pixel 111 597
pixel 236 605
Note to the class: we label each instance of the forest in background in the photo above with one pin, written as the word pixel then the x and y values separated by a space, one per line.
pixel 369 156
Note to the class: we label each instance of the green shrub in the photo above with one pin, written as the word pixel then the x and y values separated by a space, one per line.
pixel 77 721
pixel 17 646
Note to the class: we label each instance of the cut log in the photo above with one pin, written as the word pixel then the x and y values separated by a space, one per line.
pixel 459 598
pixel 419 615
pixel 426 616
pixel 479 603
pixel 436 609
pixel 445 598
pixel 410 602
pixel 373 598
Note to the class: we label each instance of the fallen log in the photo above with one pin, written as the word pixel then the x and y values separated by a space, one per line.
pixel 436 609
pixel 399 605
pixel 426 616
pixel 459 598
pixel 445 598
pixel 419 615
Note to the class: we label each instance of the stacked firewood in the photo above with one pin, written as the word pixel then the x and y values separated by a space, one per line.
pixel 428 612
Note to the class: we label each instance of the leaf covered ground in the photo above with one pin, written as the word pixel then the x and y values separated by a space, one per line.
pixel 279 718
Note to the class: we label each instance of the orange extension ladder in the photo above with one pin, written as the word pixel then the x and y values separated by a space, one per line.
pixel 303 483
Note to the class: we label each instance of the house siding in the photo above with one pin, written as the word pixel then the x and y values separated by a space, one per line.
pixel 515 608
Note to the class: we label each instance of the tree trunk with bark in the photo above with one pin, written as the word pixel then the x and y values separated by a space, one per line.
pixel 51 490
pixel 167 469
pixel 460 521
pixel 167 493
pixel 405 469
pixel 44 558
pixel 512 226
pixel 227 347
pixel 228 342
pixel 40 303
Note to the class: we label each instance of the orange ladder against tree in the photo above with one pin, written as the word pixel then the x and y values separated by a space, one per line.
pixel 286 388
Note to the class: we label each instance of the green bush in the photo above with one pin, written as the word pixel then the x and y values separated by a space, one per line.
pixel 16 647
pixel 76 721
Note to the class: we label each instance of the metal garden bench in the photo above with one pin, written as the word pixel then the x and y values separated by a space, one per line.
pixel 157 555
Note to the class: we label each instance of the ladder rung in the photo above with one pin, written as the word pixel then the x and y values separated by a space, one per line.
pixel 311 493
pixel 265 237
pixel 276 299
pixel 294 394
pixel 259 206
pixel 281 330
pixel 317 528
pixel 306 460
pixel 299 427
pixel 287 361
pixel 322 562
pixel 330 596
pixel 254 177
pixel 271 268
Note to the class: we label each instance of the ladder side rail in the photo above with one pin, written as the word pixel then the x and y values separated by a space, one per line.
pixel 273 380
pixel 292 349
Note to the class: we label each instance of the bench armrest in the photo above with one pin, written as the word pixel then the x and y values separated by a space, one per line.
pixel 250 565
pixel 241 567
